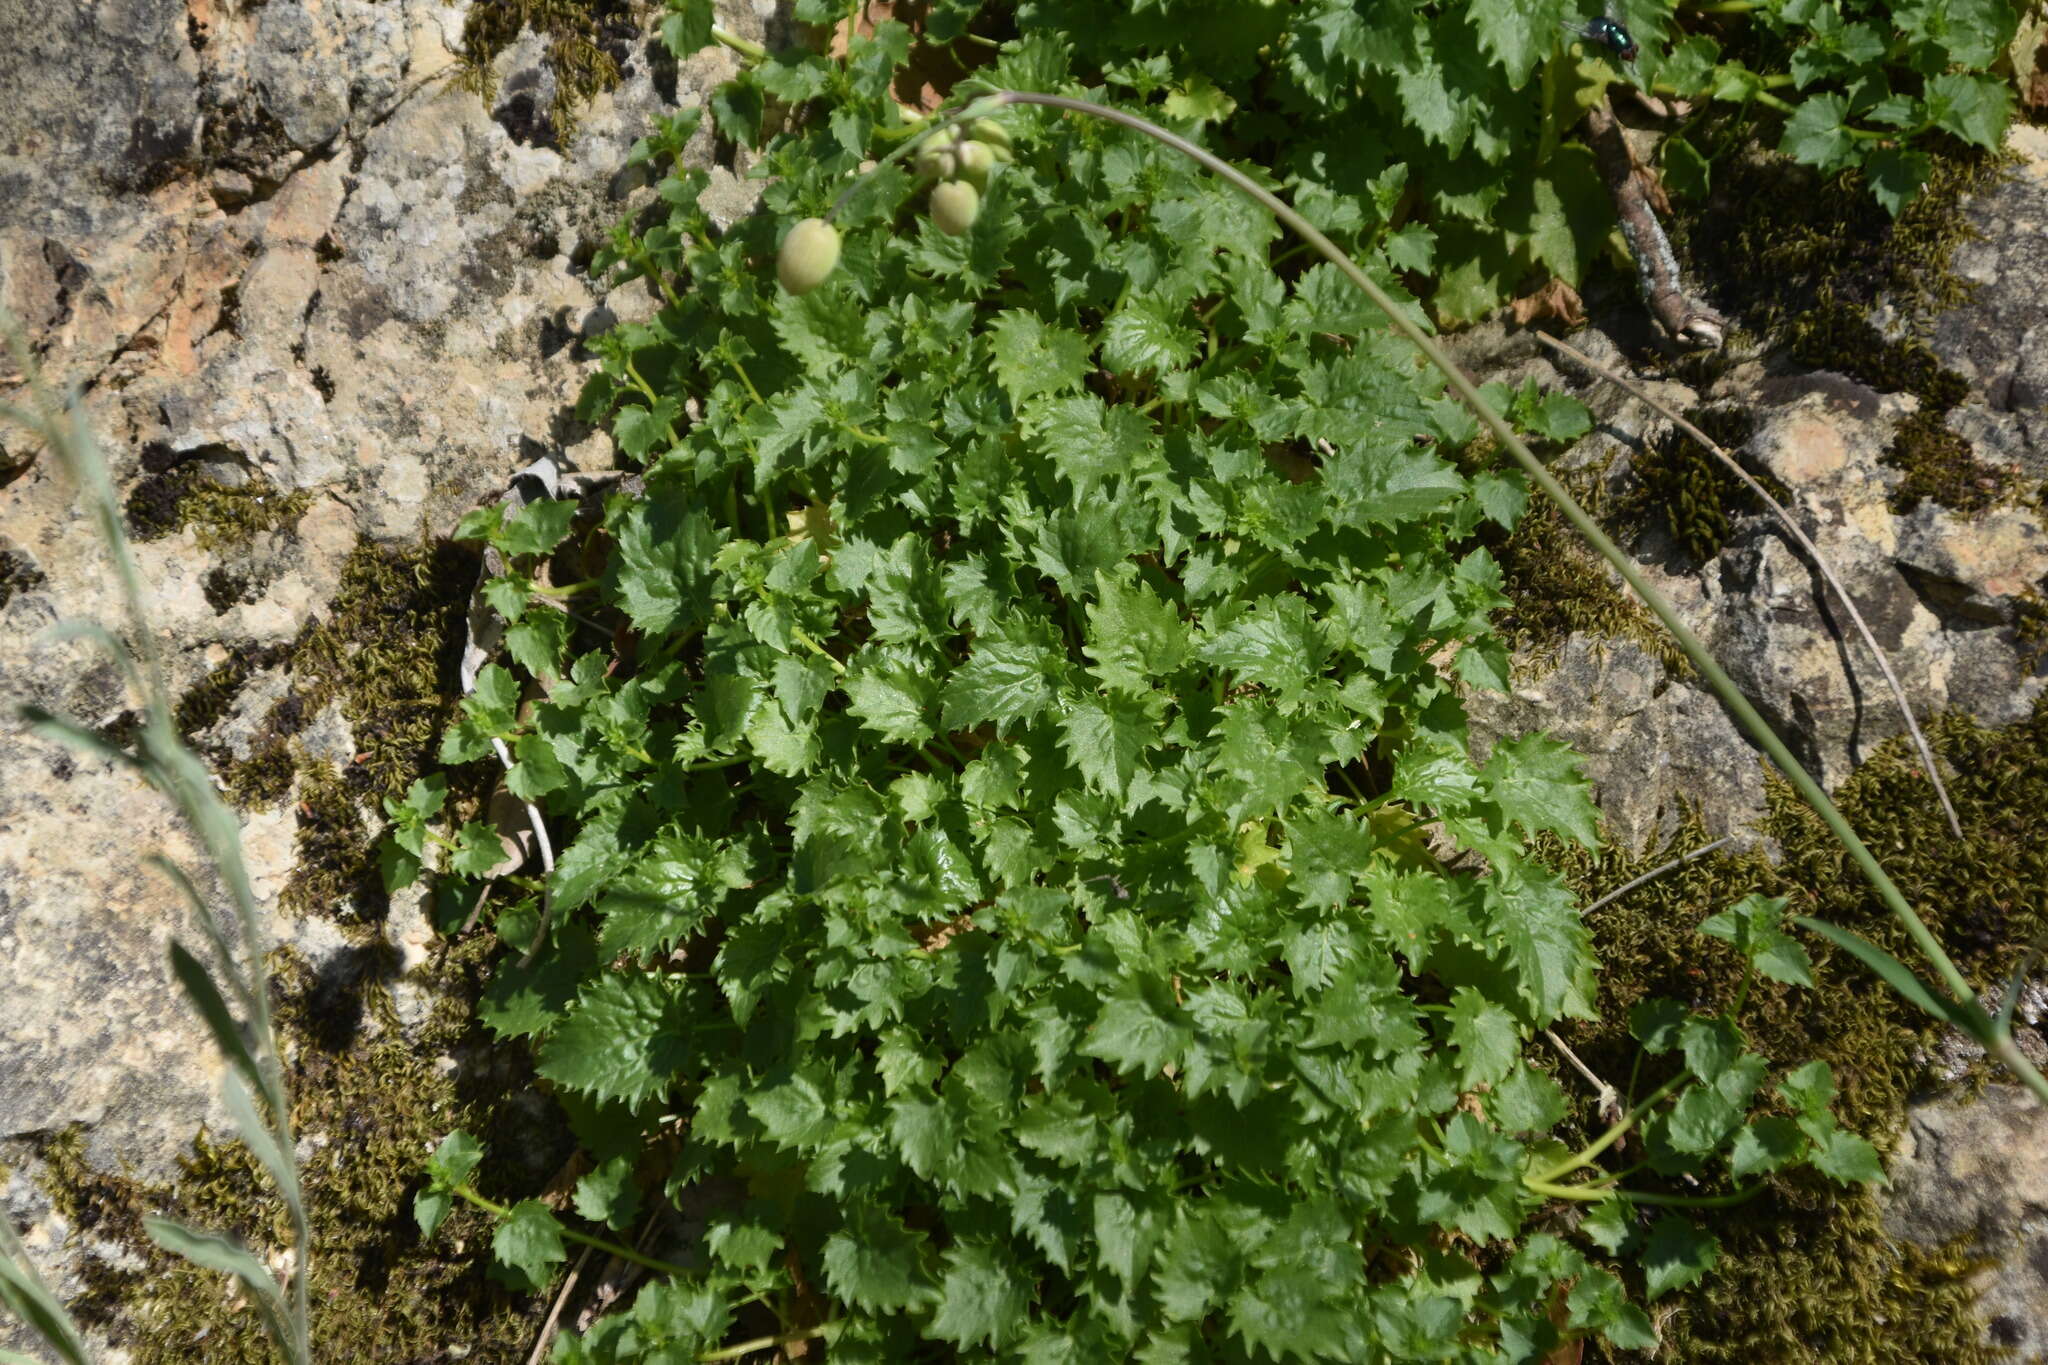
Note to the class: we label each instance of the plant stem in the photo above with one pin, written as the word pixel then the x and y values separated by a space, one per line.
pixel 1955 824
pixel 624 1253
pixel 746 47
pixel 747 1348
pixel 1587 1155
pixel 1716 677
pixel 797 634
pixel 1591 1195
pixel 1618 892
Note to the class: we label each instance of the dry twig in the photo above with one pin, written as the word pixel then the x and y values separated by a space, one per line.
pixel 1683 317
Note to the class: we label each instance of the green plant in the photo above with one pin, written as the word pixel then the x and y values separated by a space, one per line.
pixel 1441 136
pixel 995 788
pixel 231 995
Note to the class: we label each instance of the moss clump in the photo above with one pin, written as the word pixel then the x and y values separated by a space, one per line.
pixel 368 1106
pixel 1806 1273
pixel 221 517
pixel 1939 466
pixel 573 31
pixel 1681 485
pixel 1559 587
pixel 335 872
pixel 2030 629
pixel 207 701
pixel 384 654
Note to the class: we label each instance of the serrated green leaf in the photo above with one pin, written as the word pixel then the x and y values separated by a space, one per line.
pixel 609 1195
pixel 1764 1145
pixel 625 1038
pixel 537 640
pixel 1846 1159
pixel 1032 358
pixel 1004 681
pixel 1526 1101
pixel 1106 736
pixel 536 528
pixel 1677 1254
pixel 1810 1088
pixel 1816 135
pixel 660 571
pixel 1139 1030
pixel 1752 925
pixel 1486 1037
pixel 528 1243
pixel 1657 1023
pixel 1537 784
pixel 981 1299
pixel 877 1264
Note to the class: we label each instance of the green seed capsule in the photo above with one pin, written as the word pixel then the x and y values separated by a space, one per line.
pixel 989 133
pixel 938 163
pixel 809 254
pixel 975 162
pixel 955 205
pixel 938 157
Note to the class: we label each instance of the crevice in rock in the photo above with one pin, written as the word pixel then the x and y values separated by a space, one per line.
pixel 1958 606
pixel 71 275
pixel 18 573
pixel 230 317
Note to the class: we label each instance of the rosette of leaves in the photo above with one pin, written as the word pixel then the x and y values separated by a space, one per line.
pixel 991 756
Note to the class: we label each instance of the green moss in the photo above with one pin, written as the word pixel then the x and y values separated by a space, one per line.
pixel 369 1105
pixel 2030 629
pixel 572 30
pixel 387 653
pixel 335 871
pixel 1559 587
pixel 384 654
pixel 208 700
pixel 221 516
pixel 1680 485
pixel 1807 1274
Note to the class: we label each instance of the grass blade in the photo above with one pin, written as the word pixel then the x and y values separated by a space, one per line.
pixel 206 998
pixel 64 731
pixel 1894 973
pixel 2018 983
pixel 262 1140
pixel 215 1252
pixel 24 1294
pixel 208 925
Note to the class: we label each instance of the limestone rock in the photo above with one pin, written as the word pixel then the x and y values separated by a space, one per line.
pixel 1980 1171
pixel 1940 590
pixel 279 242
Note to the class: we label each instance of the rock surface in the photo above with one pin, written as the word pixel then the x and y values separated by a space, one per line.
pixel 1998 340
pixel 1941 591
pixel 1980 1171
pixel 282 242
